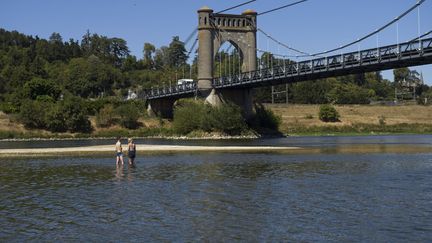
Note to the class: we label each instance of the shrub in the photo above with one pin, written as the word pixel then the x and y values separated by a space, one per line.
pixel 425 98
pixel 129 115
pixel 105 117
pixel 13 101
pixel 189 115
pixel 226 118
pixel 265 118
pixel 32 114
pixel 75 116
pixel 309 116
pixel 327 113
pixel 8 108
pixel 382 120
pixel 55 120
pixel 78 122
pixel 45 98
pixel 139 104
pixel 38 87
pixel 92 107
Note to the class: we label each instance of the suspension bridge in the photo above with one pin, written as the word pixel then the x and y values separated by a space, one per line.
pixel 215 29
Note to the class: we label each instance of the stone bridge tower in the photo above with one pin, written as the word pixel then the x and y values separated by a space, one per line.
pixel 213 31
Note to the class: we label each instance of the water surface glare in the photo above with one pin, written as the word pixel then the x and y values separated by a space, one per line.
pixel 219 197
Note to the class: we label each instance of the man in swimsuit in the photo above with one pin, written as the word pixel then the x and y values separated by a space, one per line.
pixel 119 152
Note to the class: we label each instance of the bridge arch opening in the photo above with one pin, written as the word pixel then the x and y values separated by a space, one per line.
pixel 228 60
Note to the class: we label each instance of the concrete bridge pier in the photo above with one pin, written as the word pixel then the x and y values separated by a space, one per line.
pixel 241 97
pixel 205 51
pixel 161 107
pixel 213 31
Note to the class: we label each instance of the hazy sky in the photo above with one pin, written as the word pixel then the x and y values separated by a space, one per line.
pixel 313 26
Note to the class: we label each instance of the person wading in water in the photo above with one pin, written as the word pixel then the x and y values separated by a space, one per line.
pixel 119 152
pixel 131 151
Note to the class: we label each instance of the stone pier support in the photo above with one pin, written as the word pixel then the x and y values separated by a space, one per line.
pixel 213 31
pixel 241 97
pixel 161 107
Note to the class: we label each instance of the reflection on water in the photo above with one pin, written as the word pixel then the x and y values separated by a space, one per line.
pixel 219 197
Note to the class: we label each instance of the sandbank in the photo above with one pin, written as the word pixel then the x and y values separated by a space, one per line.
pixel 141 149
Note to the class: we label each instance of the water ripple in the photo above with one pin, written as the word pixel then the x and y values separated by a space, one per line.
pixel 219 197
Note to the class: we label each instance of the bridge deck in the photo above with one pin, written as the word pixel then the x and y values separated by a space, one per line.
pixel 387 57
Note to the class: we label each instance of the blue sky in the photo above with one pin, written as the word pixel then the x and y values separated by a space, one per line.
pixel 313 26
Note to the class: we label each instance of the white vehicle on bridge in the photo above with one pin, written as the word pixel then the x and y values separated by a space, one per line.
pixel 184 81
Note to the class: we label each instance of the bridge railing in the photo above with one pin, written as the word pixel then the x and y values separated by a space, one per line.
pixel 170 90
pixel 388 53
pixel 406 50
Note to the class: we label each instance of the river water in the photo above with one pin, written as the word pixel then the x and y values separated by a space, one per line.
pixel 251 197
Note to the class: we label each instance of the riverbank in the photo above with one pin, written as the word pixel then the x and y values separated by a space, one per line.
pixel 355 119
pixel 297 120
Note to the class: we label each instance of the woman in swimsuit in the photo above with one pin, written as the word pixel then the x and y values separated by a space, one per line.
pixel 131 151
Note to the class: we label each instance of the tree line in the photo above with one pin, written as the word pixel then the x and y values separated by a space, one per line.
pixel 43 77
pixel 55 84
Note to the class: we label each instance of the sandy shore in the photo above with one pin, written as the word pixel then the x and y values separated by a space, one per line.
pixel 104 150
pixel 142 149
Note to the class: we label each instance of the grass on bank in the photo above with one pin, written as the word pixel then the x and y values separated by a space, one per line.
pixel 293 120
pixel 358 129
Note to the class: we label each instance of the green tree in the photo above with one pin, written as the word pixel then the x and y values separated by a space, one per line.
pixel 267 60
pixel 106 116
pixel 189 116
pixel 161 58
pixel 55 38
pixel 32 113
pixel 312 92
pixel 148 52
pixel 55 120
pixel 348 93
pixel 73 111
pixel 226 118
pixel 41 87
pixel 119 51
pixel 176 53
pixel 401 74
pixel 130 64
pixel 129 115
pixel 91 77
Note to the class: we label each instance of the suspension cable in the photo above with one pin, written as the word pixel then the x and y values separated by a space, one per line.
pixel 236 6
pixel 419 2
pixel 188 56
pixel 397 34
pixel 418 23
pixel 421 36
pixel 282 7
pixel 191 49
pixel 282 44
pixel 268 54
pixel 190 36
